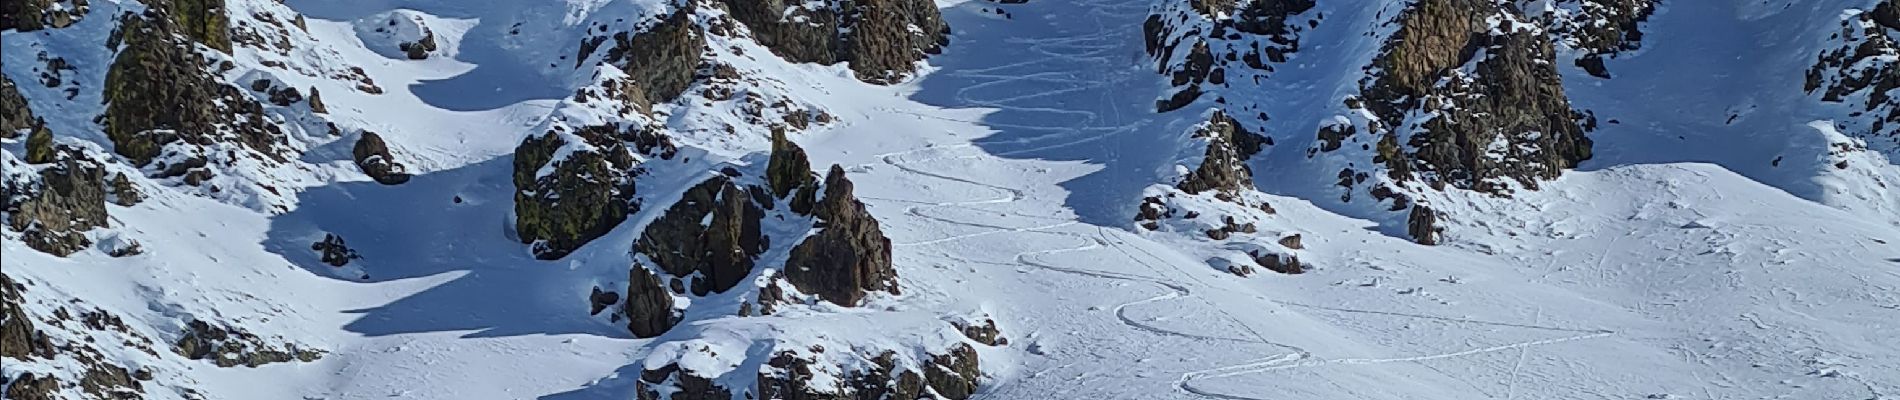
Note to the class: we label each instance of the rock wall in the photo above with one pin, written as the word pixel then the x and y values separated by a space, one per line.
pixel 161 91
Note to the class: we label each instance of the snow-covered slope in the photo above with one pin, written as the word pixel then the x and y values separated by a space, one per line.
pixel 611 199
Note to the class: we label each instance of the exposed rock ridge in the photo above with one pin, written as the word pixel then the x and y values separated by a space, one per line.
pixel 1861 72
pixel 1202 45
pixel 882 39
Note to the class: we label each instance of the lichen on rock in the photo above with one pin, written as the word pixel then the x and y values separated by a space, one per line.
pixel 562 203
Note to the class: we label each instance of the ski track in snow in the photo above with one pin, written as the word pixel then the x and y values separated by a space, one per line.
pixel 1094 47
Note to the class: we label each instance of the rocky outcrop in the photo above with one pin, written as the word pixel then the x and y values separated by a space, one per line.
pixel 709 241
pixel 713 231
pixel 420 48
pixel 160 90
pixel 561 204
pixel 1596 29
pixel 373 157
pixel 792 375
pixel 19 338
pixel 1202 45
pixel 649 307
pixel 15 117
pixel 1422 225
pixel 882 39
pixel 1860 71
pixel 33 15
pixel 331 250
pixel 660 61
pixel 54 207
pixel 230 347
pixel 1224 169
pixel 849 256
pixel 1459 103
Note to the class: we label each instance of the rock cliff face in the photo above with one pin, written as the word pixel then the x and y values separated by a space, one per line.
pixel 1505 120
pixel 160 92
pixel 882 39
pixel 1860 71
pixel 849 255
pixel 659 60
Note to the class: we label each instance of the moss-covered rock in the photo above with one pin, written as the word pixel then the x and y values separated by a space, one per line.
pixel 160 90
pixel 204 21
pixel 561 204
pixel 15 117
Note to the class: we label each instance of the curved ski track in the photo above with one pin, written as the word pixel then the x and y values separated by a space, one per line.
pixel 1095 49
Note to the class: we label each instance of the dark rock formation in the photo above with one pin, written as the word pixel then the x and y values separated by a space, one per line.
pixel 848 256
pixel 1210 42
pixel 1224 169
pixel 372 155
pixel 1512 122
pixel 15 116
pixel 419 49
pixel 39 144
pixel 65 199
pixel 230 347
pixel 19 339
pixel 649 307
pixel 882 39
pixel 789 170
pixel 712 230
pixel 1859 72
pixel 160 89
pixel 1598 29
pixel 660 60
pixel 331 250
pixel 316 102
pixel 121 191
pixel 1422 224
pixel 789 375
pixel 580 197
pixel 29 386
pixel 985 332
pixel 33 15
